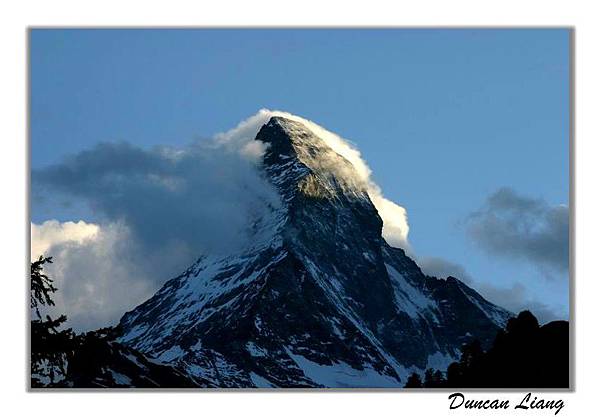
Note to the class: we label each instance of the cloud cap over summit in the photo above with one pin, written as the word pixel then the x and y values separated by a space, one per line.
pixel 169 205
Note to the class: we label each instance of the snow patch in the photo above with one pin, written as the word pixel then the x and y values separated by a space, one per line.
pixel 120 378
pixel 342 375
pixel 260 382
pixel 255 351
pixel 171 354
pixel 408 298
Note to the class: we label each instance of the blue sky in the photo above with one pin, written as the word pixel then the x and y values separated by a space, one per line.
pixel 444 118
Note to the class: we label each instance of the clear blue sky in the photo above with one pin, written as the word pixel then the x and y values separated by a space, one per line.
pixel 443 117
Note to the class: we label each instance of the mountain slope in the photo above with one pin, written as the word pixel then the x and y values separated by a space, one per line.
pixel 319 299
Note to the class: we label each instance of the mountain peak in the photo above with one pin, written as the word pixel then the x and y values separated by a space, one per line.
pixel 301 157
pixel 320 300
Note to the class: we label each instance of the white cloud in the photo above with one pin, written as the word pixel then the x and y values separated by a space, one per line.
pixel 100 271
pixel 52 232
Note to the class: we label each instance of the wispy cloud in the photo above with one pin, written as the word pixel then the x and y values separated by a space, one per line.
pixel 517 298
pixel 517 227
pixel 443 268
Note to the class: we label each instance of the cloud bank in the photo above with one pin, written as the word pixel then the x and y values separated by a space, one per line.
pixel 201 196
pixel 157 210
pixel 517 227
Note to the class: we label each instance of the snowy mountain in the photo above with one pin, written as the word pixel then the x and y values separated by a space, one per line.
pixel 318 300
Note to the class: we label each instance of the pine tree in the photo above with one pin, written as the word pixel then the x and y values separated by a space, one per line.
pixel 413 381
pixel 50 347
pixel 428 380
pixel 433 379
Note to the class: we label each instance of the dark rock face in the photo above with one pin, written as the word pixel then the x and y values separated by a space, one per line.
pixel 320 299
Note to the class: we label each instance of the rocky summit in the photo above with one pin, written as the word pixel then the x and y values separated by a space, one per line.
pixel 319 299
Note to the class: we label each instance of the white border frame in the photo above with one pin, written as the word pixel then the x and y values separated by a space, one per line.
pixel 15 179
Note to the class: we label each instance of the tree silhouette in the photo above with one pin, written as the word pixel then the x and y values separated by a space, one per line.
pixel 50 347
pixel 524 355
pixel 433 379
pixel 413 381
pixel 60 358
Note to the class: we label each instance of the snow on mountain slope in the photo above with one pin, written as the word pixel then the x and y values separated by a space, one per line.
pixel 319 299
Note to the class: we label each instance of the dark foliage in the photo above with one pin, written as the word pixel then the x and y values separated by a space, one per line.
pixel 50 346
pixel 41 286
pixel 524 355
pixel 99 361
pixel 433 379
pixel 414 381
